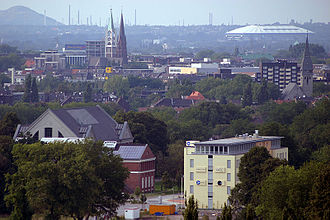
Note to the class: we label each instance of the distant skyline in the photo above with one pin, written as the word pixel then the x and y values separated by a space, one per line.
pixel 179 12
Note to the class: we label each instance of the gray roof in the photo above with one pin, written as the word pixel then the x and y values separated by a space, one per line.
pixel 269 29
pixel 94 118
pixel 131 152
pixel 238 140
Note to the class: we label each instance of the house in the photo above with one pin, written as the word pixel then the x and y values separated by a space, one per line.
pixel 195 95
pixel 211 167
pixel 140 161
pixel 87 122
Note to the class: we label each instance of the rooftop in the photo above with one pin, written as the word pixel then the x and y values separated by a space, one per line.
pixel 239 140
pixel 269 29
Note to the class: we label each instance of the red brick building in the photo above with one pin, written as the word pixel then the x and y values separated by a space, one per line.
pixel 140 161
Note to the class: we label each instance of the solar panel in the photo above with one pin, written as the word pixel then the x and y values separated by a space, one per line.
pixel 82 116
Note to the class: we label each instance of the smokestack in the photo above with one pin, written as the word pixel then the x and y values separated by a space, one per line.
pixel 69 14
pixel 87 21
pixel 90 20
pixel 210 18
pixel 45 17
pixel 78 18
pixel 135 17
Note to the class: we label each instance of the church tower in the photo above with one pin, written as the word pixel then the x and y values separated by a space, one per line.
pixel 110 40
pixel 307 72
pixel 121 46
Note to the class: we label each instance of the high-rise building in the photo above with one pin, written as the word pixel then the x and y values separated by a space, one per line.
pixel 280 73
pixel 307 72
pixel 211 167
pixel 121 45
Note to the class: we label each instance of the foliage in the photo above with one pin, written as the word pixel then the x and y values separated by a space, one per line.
pixel 166 180
pixel 316 50
pixel 146 129
pixel 88 94
pixel 8 124
pixel 191 210
pixel 289 191
pixel 253 169
pixel 322 155
pixel 34 91
pixel 247 95
pixel 67 179
pixel 6 166
pixel 27 91
pixel 11 60
pixel 226 213
pixel 4 79
pixel 6 49
pixel 137 191
pixel 117 85
pixel 320 88
pixel 178 89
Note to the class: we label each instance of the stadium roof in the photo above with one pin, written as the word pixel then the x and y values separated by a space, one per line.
pixel 269 29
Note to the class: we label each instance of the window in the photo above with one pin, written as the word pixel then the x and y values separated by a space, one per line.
pixel 152 181
pixel 48 132
pixel 228 163
pixel 191 163
pixel 228 177
pixel 149 181
pixel 191 189
pixel 146 182
pixel 142 185
pixel 228 190
pixel 191 175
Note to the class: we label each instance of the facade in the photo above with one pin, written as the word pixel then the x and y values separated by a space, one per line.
pixel 50 60
pixel 88 122
pixel 140 162
pixel 211 167
pixel 75 55
pixel 95 48
pixel 280 73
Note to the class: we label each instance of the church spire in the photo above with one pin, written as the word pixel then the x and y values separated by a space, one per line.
pixel 121 48
pixel 110 39
pixel 306 64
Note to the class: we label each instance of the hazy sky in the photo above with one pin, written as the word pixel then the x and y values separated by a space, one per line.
pixel 173 12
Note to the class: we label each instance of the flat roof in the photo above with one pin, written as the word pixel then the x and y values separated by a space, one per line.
pixel 238 140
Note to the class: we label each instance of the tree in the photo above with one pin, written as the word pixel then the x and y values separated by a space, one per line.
pixel 9 124
pixel 247 95
pixel 254 167
pixel 191 210
pixel 262 93
pixel 34 91
pixel 6 166
pixel 68 179
pixel 88 94
pixel 226 213
pixel 137 192
pixel 27 91
pixel 118 85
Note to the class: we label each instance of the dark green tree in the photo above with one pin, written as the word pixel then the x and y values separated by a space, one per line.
pixel 34 91
pixel 88 94
pixel 262 93
pixel 27 91
pixel 191 210
pixel 226 213
pixel 9 124
pixel 247 95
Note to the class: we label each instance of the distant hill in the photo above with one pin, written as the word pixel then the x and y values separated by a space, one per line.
pixel 20 15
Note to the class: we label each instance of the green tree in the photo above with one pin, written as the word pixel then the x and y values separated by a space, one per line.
pixel 247 95
pixel 34 91
pixel 9 124
pixel 67 179
pixel 137 192
pixel 316 50
pixel 118 85
pixel 27 91
pixel 191 210
pixel 262 93
pixel 254 167
pixel 4 79
pixel 166 180
pixel 226 213
pixel 88 94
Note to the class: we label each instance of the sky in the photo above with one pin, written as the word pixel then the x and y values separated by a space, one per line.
pixel 179 12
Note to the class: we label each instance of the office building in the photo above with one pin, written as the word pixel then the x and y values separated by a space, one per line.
pixel 211 167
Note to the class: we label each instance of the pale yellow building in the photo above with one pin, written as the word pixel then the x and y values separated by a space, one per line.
pixel 211 167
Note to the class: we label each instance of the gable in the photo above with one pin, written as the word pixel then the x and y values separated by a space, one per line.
pixel 49 120
pixel 147 154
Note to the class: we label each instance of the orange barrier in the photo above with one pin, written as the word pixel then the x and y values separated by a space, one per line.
pixel 166 209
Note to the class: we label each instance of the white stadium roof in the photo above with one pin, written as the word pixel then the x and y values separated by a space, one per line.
pixel 269 29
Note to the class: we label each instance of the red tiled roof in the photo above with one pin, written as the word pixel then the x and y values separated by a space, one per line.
pixel 195 95
pixel 29 63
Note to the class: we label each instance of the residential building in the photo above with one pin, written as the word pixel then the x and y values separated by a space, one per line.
pixel 211 167
pixel 280 73
pixel 140 161
pixel 87 122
